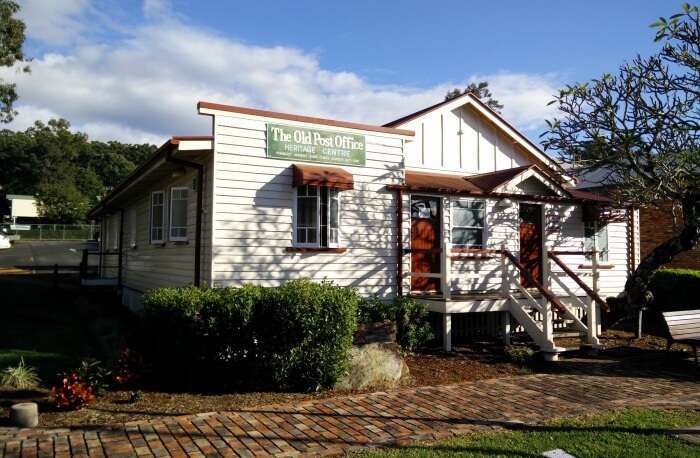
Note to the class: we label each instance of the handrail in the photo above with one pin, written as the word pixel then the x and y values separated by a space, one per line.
pixel 557 305
pixel 473 254
pixel 592 294
pixel 565 252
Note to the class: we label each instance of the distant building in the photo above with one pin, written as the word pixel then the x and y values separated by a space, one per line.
pixel 22 208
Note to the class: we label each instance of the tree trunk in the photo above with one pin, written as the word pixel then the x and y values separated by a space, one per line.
pixel 637 292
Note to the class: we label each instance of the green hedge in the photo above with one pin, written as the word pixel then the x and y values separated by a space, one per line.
pixel 675 289
pixel 410 318
pixel 297 335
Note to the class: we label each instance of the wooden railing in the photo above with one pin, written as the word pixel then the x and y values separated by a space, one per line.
pixel 102 256
pixel 509 283
pixel 554 256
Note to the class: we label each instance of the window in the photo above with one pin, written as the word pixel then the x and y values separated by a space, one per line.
pixel 596 236
pixel 468 223
pixel 178 214
pixel 317 216
pixel 157 216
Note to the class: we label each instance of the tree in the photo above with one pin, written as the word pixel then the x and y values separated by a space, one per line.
pixel 640 130
pixel 11 41
pixel 62 202
pixel 481 90
pixel 46 158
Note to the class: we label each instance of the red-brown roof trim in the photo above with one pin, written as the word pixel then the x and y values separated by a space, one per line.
pixel 491 180
pixel 307 119
pixel 422 111
pixel 440 182
pixel 144 167
pixel 315 175
pixel 182 138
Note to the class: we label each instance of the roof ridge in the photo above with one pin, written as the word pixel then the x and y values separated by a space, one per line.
pixel 303 118
pixel 415 114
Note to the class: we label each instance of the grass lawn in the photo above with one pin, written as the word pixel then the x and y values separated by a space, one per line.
pixel 628 433
pixel 52 329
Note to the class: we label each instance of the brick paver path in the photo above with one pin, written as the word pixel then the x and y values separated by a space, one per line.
pixel 334 426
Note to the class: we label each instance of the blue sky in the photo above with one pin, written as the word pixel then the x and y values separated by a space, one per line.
pixel 428 42
pixel 134 70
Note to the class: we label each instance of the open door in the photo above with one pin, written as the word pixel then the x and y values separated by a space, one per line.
pixel 425 242
pixel 531 242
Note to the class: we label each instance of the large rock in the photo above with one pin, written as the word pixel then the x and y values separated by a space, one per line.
pixel 24 415
pixel 376 365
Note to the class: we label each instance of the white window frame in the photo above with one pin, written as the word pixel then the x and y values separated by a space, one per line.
pixel 152 214
pixel 317 244
pixel 604 254
pixel 453 226
pixel 170 221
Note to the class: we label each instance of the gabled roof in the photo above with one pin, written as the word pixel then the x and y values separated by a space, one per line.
pixel 408 117
pixel 488 184
pixel 492 180
pixel 300 118
pixel 143 169
pixel 492 115
pixel 440 182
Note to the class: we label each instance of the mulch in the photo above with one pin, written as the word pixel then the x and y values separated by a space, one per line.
pixel 467 363
pixel 431 367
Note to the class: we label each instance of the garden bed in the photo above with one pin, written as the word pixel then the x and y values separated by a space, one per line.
pixel 467 363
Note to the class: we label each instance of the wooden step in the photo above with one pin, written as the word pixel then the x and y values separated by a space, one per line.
pixel 568 334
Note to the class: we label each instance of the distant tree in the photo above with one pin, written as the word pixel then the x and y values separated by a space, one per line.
pixel 20 169
pixel 53 162
pixel 62 202
pixel 481 90
pixel 640 129
pixel 113 161
pixel 11 41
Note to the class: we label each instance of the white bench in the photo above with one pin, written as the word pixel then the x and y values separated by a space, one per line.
pixel 684 327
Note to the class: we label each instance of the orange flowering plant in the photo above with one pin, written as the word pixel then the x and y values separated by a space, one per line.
pixel 72 393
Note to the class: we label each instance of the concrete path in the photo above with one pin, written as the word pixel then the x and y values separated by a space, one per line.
pixel 335 426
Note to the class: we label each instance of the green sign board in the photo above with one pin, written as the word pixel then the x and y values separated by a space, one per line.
pixel 311 145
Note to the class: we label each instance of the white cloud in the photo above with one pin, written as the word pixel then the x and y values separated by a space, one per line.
pixel 55 21
pixel 146 85
pixel 524 96
pixel 156 8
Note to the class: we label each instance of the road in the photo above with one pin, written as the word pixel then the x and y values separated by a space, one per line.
pixel 44 253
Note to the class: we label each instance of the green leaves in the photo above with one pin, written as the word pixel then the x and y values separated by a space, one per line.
pixel 49 159
pixel 297 335
pixel 410 318
pixel 11 42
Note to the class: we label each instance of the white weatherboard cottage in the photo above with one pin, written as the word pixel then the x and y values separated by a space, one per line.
pixel 450 205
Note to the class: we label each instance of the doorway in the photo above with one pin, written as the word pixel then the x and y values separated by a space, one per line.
pixel 425 242
pixel 531 243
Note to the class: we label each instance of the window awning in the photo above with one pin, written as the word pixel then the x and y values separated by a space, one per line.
pixel 315 175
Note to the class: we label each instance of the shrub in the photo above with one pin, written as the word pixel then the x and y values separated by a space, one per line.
pixel 72 393
pixel 21 376
pixel 172 329
pixel 304 331
pixel 675 289
pixel 412 326
pixel 94 375
pixel 521 355
pixel 410 318
pixel 128 367
pixel 296 335
pixel 226 329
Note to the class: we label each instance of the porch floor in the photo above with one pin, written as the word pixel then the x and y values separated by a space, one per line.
pixel 487 301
